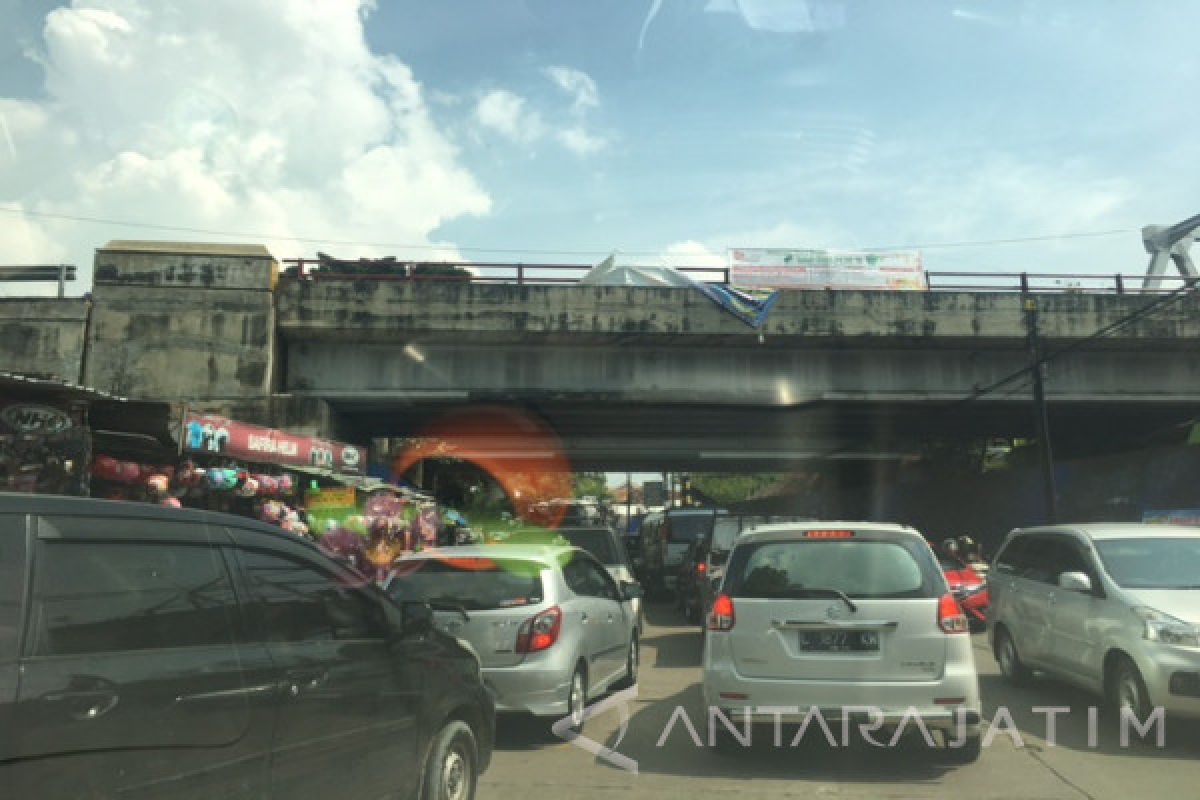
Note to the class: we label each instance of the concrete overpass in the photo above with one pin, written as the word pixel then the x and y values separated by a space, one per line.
pixel 630 377
pixel 660 375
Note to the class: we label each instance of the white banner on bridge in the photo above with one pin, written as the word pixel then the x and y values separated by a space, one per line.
pixel 770 268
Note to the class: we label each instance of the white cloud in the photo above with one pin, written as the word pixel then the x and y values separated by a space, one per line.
pixel 177 114
pixel 508 114
pixel 578 84
pixel 691 253
pixel 579 141
pixel 511 116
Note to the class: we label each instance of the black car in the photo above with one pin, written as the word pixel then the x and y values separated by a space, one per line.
pixel 704 562
pixel 153 652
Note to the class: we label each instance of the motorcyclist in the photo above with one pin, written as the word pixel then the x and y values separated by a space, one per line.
pixel 950 550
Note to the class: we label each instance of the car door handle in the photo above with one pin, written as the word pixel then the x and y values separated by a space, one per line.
pixel 85 705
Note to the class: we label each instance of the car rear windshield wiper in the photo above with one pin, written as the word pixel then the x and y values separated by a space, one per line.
pixel 802 591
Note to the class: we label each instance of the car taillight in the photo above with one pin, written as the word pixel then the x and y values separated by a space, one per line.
pixel 702 568
pixel 951 618
pixel 539 631
pixel 721 617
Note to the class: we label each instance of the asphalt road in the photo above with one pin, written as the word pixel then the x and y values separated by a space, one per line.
pixel 533 764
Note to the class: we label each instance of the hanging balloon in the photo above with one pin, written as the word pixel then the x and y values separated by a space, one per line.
pixel 286 484
pixel 249 488
pixel 130 472
pixel 106 467
pixel 268 485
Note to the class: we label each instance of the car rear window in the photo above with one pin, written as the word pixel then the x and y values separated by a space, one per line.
pixel 475 583
pixel 597 541
pixel 689 527
pixel 863 568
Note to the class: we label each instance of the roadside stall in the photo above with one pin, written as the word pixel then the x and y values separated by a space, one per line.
pixel 45 443
pixel 53 433
pixel 260 472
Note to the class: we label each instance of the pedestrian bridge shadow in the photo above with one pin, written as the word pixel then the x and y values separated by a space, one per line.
pixel 662 748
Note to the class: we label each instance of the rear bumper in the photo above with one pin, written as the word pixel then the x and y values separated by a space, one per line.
pixel 942 704
pixel 539 689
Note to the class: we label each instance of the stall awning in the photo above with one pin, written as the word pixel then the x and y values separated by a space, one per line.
pixel 209 434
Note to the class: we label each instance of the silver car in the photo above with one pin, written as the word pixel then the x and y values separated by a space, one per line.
pixel 1114 608
pixel 832 617
pixel 550 625
pixel 602 542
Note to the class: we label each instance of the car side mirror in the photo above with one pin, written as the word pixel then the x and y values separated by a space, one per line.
pixel 1075 582
pixel 631 591
pixel 417 619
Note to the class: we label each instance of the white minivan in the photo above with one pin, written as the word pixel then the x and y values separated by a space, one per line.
pixel 1114 608
pixel 835 618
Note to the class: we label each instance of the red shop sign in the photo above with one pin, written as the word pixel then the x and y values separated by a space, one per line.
pixel 207 433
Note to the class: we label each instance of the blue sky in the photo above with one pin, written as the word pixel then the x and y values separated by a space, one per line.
pixel 647 126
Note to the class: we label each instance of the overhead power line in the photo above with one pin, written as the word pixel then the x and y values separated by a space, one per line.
pixel 1150 308
pixel 526 251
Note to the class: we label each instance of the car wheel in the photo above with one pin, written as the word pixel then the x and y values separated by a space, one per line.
pixel 1011 666
pixel 632 662
pixel 452 767
pixel 968 752
pixel 1126 689
pixel 577 698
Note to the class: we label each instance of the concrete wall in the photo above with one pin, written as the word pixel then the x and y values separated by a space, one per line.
pixel 186 265
pixel 167 344
pixel 183 322
pixel 369 310
pixel 43 336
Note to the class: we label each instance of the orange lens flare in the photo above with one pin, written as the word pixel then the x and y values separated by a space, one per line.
pixel 521 452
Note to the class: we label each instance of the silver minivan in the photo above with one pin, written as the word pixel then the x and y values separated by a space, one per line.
pixel 550 625
pixel 1114 608
pixel 835 617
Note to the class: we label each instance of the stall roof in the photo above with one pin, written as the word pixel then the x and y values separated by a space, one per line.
pixel 56 385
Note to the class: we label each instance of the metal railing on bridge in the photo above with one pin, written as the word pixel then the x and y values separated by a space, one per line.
pixel 564 274
pixel 39 273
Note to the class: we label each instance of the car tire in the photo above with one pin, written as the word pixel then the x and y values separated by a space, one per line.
pixel 577 698
pixel 1011 666
pixel 968 753
pixel 632 663
pixel 452 766
pixel 1126 688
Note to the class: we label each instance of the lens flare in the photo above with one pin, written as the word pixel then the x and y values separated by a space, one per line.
pixel 518 450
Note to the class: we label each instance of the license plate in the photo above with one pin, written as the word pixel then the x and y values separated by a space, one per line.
pixel 839 641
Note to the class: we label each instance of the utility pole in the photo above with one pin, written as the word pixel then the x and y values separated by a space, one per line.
pixel 1041 418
